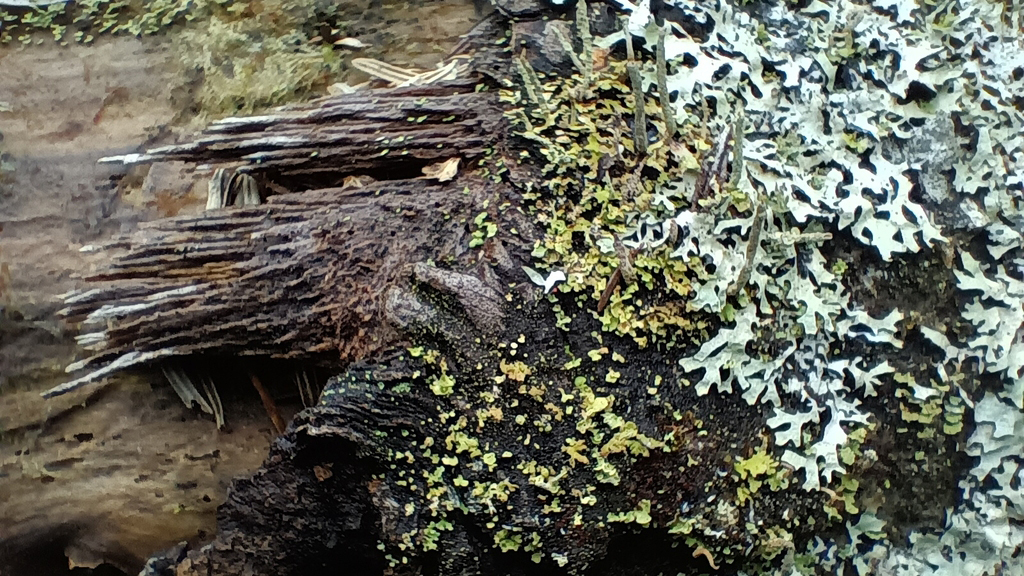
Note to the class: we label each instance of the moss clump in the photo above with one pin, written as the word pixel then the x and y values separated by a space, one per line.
pixel 85 20
pixel 250 58
pixel 247 56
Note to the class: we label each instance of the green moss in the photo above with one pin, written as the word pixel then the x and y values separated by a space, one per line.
pixel 248 56
pixel 575 136
pixel 253 60
pixel 87 19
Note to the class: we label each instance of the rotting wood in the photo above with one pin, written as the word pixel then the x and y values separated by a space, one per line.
pixel 397 130
pixel 338 273
pixel 294 518
pixel 128 468
pixel 299 277
pixel 304 275
pixel 325 274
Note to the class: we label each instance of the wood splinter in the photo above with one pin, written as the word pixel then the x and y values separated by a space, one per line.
pixel 624 271
pixel 702 551
pixel 268 404
pixel 612 283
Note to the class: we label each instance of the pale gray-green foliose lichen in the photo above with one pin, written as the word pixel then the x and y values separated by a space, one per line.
pixel 898 125
pixel 860 291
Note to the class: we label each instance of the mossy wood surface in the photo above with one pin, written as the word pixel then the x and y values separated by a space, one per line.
pixel 625 407
pixel 462 361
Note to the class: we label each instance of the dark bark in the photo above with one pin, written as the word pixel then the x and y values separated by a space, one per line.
pixel 330 494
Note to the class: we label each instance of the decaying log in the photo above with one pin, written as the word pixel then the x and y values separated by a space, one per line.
pixel 128 467
pixel 387 134
pixel 398 130
pixel 346 485
pixel 394 471
pixel 298 277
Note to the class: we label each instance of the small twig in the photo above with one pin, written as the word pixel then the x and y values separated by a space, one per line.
pixel 663 95
pixel 215 403
pixel 531 82
pixel 639 116
pixel 217 189
pixel 587 41
pixel 185 389
pixel 752 243
pixel 702 551
pixel 567 46
pixel 581 92
pixel 625 260
pixel 712 170
pixel 624 271
pixel 268 404
pixel 307 389
pixel 705 118
pixel 384 71
pixel 612 283
pixel 242 191
pixel 738 128
pixel 634 182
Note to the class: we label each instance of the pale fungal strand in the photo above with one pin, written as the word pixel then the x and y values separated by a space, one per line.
pixel 702 551
pixel 401 77
pixel 639 116
pixel 663 94
pixel 534 89
pixel 239 189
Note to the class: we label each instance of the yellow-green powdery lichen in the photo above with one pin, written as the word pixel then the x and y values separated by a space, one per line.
pixel 790 280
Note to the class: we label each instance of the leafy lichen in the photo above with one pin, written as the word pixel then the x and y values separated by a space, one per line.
pixel 842 95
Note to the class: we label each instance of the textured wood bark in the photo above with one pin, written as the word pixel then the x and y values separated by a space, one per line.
pixel 303 275
pixel 332 493
pixel 362 133
pixel 300 277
